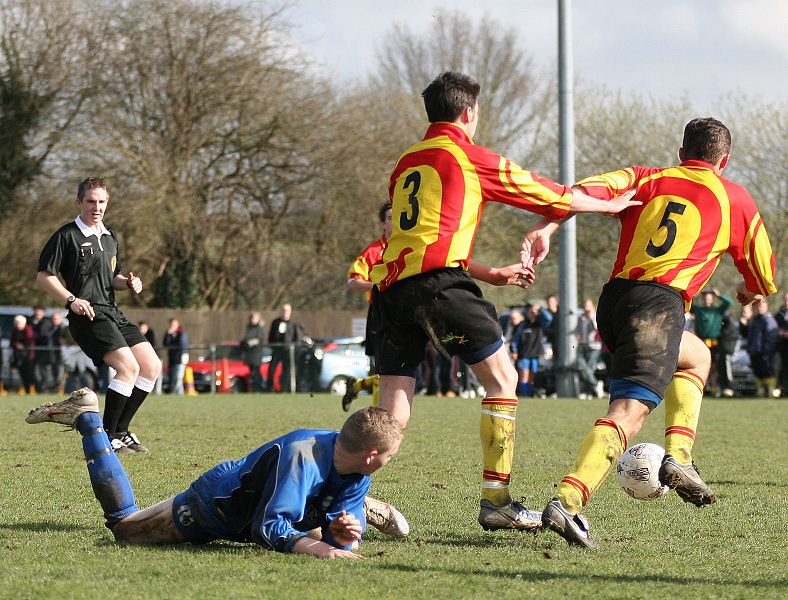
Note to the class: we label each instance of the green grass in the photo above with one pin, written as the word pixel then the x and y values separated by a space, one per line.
pixel 53 543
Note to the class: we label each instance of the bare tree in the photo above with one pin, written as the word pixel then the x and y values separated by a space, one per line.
pixel 515 99
pixel 210 129
pixel 41 90
pixel 759 156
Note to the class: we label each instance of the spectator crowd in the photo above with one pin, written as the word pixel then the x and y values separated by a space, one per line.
pixel 37 350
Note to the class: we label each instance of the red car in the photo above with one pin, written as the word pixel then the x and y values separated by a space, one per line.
pixel 207 369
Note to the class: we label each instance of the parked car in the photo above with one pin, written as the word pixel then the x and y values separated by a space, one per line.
pixel 744 383
pixel 333 360
pixel 207 369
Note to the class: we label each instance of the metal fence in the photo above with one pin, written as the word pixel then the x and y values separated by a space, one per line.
pixel 211 365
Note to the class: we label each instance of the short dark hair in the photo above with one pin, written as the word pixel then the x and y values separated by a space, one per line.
pixel 448 95
pixel 370 428
pixel 706 139
pixel 92 183
pixel 384 208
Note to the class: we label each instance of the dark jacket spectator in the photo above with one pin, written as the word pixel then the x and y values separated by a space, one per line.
pixel 252 346
pixel 177 344
pixel 283 331
pixel 22 341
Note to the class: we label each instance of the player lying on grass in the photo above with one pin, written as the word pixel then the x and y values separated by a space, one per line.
pixel 277 496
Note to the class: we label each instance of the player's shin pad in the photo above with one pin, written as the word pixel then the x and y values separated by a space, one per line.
pixel 682 410
pixel 599 451
pixel 110 484
pixel 497 431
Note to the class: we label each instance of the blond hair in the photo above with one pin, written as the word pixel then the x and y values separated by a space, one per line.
pixel 370 428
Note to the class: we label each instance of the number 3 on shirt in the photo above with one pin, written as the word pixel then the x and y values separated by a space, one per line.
pixel 411 185
pixel 655 251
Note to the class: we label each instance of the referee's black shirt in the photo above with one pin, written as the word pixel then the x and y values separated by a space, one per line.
pixel 88 264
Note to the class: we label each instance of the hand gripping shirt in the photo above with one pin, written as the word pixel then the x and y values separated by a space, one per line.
pixel 438 191
pixel 87 263
pixel 275 494
pixel 361 267
pixel 689 217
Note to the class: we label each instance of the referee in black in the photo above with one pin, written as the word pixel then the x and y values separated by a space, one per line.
pixel 85 253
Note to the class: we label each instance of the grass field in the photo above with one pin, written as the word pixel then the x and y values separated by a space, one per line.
pixel 53 543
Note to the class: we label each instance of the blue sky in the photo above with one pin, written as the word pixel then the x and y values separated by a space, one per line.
pixel 704 48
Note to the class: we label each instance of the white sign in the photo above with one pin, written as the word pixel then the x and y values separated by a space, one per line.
pixel 359 328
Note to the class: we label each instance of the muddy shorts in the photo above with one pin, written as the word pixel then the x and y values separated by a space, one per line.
pixel 642 324
pixel 444 306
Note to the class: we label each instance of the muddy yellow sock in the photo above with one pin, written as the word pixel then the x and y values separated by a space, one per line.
pixel 682 409
pixel 496 430
pixel 357 386
pixel 599 451
pixel 375 389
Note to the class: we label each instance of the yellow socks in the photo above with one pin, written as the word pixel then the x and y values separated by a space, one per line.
pixel 682 409
pixel 599 451
pixel 368 383
pixel 497 434
pixel 375 389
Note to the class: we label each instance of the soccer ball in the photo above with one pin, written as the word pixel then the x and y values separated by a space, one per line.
pixel 638 471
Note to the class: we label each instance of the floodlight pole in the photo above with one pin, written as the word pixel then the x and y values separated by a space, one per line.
pixel 567 289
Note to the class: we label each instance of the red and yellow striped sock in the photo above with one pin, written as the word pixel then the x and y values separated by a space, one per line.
pixel 497 431
pixel 599 451
pixel 682 410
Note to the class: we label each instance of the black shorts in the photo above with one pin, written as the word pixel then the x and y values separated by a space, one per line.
pixel 642 324
pixel 445 306
pixel 109 330
pixel 371 333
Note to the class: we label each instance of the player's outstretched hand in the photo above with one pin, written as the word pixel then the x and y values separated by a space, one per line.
pixel 339 553
pixel 623 202
pixel 319 549
pixel 745 296
pixel 515 274
pixel 345 528
pixel 536 244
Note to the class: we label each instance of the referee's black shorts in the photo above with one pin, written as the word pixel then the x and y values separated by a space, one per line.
pixel 109 330
pixel 642 322
pixel 443 305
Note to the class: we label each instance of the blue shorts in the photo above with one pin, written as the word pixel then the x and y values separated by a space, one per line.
pixel 528 364
pixel 183 514
pixel 191 510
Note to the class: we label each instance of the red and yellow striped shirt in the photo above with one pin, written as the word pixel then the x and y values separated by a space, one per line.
pixel 361 267
pixel 689 217
pixel 438 191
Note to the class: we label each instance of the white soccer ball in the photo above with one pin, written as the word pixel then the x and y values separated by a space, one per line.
pixel 638 471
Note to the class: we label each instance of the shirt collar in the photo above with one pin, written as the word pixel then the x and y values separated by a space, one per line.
pixel 697 163
pixel 87 231
pixel 452 130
